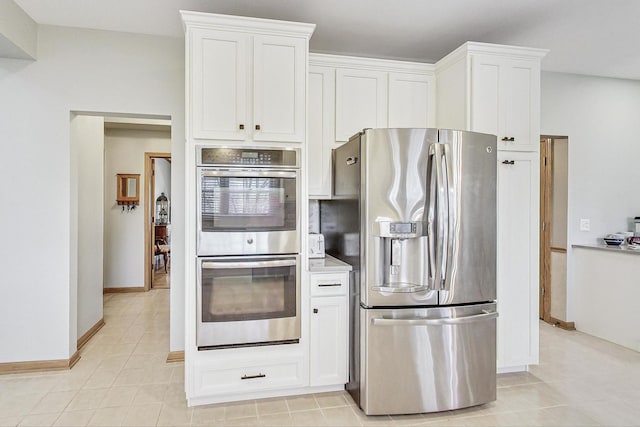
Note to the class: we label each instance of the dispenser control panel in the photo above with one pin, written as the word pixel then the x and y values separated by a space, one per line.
pixel 399 230
pixel 403 227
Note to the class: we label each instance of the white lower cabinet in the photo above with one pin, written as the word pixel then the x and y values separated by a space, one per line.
pixel 329 327
pixel 518 259
pixel 249 376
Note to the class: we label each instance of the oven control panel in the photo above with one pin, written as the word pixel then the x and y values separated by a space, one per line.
pixel 221 156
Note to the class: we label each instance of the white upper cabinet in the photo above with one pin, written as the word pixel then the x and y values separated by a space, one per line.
pixel 348 94
pixel 412 101
pixel 492 89
pixel 361 101
pixel 505 100
pixel 247 78
pixel 279 76
pixel 219 80
pixel 321 109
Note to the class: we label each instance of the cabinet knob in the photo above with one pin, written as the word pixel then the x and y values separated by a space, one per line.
pixel 508 162
pixel 250 241
pixel 508 139
pixel 241 126
pixel 315 311
pixel 257 127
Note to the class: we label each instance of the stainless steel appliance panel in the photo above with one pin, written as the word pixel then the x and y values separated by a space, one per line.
pixel 394 197
pixel 248 300
pixel 248 211
pixel 469 176
pixel 255 157
pixel 443 358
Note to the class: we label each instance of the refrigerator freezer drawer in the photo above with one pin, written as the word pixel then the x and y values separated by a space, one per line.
pixel 443 358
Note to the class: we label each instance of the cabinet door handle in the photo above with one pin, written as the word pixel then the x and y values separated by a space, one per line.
pixel 315 311
pixel 323 285
pixel 241 126
pixel 508 162
pixel 250 377
pixel 257 127
pixel 508 139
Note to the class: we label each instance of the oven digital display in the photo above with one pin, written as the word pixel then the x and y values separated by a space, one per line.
pixel 254 157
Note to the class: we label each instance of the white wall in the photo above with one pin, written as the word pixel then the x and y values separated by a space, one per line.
pixel 601 117
pixel 124 229
pixel 76 70
pixel 87 153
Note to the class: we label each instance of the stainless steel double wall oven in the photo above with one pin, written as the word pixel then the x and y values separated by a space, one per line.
pixel 248 246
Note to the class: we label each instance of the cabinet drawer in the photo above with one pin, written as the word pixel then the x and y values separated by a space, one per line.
pixel 329 283
pixel 265 376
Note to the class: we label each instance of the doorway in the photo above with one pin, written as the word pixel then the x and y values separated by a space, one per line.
pixel 157 220
pixel 554 152
pixel 106 236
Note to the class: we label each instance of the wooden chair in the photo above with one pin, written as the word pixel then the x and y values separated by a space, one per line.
pixel 162 249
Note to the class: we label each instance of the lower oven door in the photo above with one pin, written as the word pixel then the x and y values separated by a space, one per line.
pixel 248 301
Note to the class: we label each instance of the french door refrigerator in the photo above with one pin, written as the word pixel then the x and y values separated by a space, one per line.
pixel 414 210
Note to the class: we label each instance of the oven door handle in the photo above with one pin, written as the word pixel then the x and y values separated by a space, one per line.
pixel 249 173
pixel 212 265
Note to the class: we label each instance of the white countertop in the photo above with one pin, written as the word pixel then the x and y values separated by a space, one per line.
pixel 326 264
pixel 621 249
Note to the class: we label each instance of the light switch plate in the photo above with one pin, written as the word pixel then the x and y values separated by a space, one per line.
pixel 585 225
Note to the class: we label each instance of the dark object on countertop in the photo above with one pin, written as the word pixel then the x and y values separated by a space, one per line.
pixel 613 241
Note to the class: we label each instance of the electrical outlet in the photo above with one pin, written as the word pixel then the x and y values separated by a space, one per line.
pixel 585 225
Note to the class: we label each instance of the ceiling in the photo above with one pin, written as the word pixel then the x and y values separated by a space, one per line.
pixel 594 37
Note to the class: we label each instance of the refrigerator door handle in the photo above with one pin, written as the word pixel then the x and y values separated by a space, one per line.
pixel 451 195
pixel 441 213
pixel 434 322
pixel 431 215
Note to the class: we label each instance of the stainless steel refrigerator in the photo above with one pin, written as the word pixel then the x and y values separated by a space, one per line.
pixel 414 211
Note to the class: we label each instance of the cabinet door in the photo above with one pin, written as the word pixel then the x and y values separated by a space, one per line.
pixel 320 139
pixel 361 101
pixel 328 343
pixel 218 84
pixel 518 274
pixel 520 101
pixel 505 101
pixel 411 100
pixel 279 76
pixel 485 95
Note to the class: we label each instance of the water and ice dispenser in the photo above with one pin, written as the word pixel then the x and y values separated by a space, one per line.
pixel 402 250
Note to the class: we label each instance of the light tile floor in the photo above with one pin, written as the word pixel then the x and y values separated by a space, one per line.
pixel 123 379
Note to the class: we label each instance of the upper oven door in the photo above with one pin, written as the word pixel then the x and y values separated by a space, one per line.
pixel 248 211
